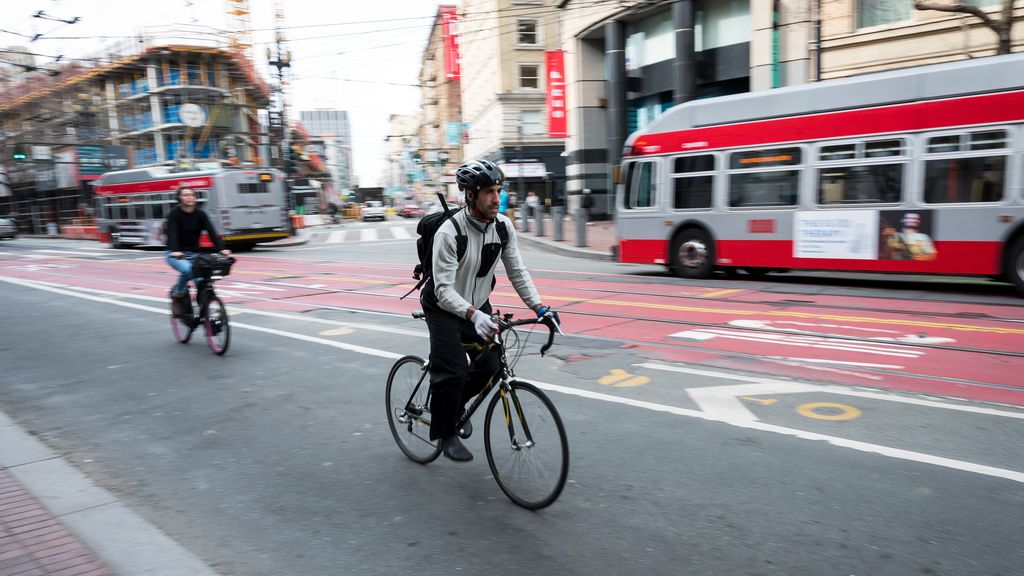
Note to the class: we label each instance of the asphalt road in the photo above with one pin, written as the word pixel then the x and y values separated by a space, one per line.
pixel 277 459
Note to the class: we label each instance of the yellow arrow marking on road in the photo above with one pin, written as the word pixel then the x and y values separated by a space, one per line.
pixel 762 401
pixel 622 379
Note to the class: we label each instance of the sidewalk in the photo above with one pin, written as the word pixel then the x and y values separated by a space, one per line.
pixel 54 521
pixel 34 542
pixel 600 238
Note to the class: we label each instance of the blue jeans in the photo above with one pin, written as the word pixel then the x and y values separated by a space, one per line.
pixel 184 266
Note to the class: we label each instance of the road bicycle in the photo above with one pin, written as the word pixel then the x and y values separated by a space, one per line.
pixel 207 309
pixel 527 449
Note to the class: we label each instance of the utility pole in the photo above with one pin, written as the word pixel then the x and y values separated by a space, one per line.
pixel 281 60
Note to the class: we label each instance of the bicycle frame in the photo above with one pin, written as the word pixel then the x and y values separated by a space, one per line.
pixel 504 389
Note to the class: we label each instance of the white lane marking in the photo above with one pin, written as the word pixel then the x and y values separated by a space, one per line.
pixel 72 254
pixel 844 363
pixel 772 386
pixel 799 341
pixel 369 235
pixel 166 311
pixel 336 237
pixel 254 311
pixel 400 233
pixel 833 440
pixel 724 402
pixel 897 453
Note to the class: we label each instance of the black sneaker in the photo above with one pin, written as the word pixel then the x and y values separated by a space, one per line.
pixel 455 450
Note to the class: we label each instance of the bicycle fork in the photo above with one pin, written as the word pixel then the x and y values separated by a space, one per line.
pixel 505 393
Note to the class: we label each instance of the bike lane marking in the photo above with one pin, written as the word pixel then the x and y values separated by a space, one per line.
pixel 740 422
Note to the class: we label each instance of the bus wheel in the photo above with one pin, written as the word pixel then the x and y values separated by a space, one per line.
pixel 1015 269
pixel 692 255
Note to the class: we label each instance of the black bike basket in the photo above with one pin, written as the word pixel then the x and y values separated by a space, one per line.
pixel 208 265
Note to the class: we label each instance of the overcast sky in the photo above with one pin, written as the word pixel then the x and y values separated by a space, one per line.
pixel 346 55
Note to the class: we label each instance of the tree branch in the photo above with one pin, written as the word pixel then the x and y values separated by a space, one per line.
pixel 962 8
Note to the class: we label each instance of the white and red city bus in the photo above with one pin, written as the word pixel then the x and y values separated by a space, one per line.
pixel 914 171
pixel 246 205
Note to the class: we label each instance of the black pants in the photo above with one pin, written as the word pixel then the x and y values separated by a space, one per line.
pixel 453 380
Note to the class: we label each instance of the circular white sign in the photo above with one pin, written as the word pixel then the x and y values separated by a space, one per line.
pixel 192 115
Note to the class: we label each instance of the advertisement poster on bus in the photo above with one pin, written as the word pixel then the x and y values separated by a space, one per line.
pixel 906 235
pixel 839 234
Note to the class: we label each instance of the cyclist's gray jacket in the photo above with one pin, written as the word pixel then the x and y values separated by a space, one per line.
pixel 459 285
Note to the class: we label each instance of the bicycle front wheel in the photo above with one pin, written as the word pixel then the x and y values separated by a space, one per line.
pixel 218 330
pixel 408 412
pixel 527 449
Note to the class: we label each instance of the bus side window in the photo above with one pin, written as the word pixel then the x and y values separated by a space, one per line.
pixel 966 179
pixel 691 182
pixel 627 194
pixel 639 186
pixel 644 197
pixel 956 180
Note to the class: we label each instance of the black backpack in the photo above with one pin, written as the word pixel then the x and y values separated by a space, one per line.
pixel 425 243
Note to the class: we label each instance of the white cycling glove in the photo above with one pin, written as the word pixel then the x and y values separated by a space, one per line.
pixel 485 327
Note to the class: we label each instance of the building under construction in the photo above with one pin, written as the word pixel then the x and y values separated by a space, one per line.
pixel 150 101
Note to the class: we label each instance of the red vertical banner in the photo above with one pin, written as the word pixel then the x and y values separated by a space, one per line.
pixel 555 60
pixel 450 34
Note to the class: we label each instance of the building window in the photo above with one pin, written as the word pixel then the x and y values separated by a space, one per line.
pixel 529 76
pixel 879 12
pixel 527 33
pixel 530 122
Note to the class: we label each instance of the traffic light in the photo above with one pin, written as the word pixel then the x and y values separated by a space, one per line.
pixel 417 158
pixel 20 152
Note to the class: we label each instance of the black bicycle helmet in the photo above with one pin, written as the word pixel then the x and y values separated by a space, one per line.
pixel 477 174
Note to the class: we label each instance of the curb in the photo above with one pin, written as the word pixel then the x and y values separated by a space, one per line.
pixel 122 539
pixel 560 248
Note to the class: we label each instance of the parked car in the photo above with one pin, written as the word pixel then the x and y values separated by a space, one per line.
pixel 374 210
pixel 410 210
pixel 8 228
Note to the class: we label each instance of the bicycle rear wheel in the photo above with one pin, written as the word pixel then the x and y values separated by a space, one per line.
pixel 527 448
pixel 215 321
pixel 181 327
pixel 408 412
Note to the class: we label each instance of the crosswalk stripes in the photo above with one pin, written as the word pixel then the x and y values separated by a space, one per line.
pixel 380 234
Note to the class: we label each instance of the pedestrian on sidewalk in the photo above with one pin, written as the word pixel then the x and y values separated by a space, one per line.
pixel 587 202
pixel 532 204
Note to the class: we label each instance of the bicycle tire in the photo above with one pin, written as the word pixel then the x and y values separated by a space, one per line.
pixel 180 327
pixel 411 430
pixel 527 408
pixel 216 324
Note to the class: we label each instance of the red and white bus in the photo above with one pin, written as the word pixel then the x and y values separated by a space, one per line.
pixel 914 171
pixel 246 205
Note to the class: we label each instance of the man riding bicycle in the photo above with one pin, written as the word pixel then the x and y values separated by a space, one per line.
pixel 456 299
pixel 185 223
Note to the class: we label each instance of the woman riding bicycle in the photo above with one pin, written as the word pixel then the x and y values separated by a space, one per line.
pixel 184 225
